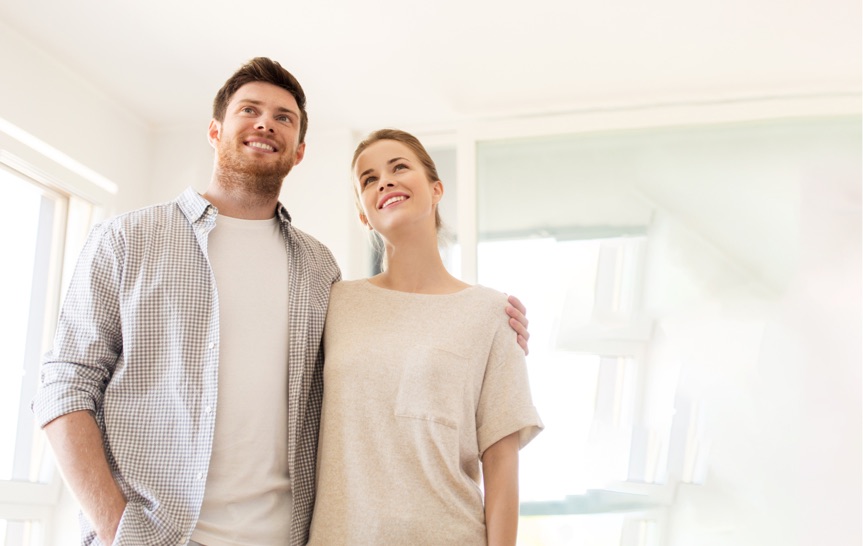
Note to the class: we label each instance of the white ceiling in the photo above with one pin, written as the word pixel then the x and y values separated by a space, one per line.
pixel 433 64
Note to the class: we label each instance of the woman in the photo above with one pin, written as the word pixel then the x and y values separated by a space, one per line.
pixel 423 381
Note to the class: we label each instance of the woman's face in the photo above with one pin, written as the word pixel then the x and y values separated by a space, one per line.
pixel 395 192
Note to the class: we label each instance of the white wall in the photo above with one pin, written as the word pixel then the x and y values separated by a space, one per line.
pixel 48 101
pixel 319 197
pixel 182 157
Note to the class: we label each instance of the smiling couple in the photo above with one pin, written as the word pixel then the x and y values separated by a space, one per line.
pixel 186 392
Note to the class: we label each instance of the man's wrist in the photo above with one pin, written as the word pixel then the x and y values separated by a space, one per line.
pixel 107 528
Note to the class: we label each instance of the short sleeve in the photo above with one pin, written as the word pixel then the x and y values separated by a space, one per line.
pixel 505 403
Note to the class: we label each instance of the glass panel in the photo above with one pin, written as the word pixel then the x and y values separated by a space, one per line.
pixel 564 530
pixel 557 186
pixel 20 533
pixel 609 529
pixel 586 399
pixel 736 222
pixel 20 225
pixel 34 227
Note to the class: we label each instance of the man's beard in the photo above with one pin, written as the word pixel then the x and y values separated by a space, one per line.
pixel 241 173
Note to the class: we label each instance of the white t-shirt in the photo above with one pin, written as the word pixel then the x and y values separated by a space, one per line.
pixel 247 500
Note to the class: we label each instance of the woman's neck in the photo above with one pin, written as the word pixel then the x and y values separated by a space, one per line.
pixel 417 268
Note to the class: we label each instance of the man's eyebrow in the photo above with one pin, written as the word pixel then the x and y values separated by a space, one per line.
pixel 288 110
pixel 390 162
pixel 258 103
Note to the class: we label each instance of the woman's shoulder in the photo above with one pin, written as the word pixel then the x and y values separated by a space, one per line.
pixel 345 287
pixel 485 305
pixel 487 294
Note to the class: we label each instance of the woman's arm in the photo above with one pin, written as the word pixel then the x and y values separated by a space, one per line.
pixel 500 478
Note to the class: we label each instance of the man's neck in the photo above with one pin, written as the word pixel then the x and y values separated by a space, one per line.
pixel 245 201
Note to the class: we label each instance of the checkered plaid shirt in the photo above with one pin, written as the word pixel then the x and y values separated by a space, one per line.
pixel 137 344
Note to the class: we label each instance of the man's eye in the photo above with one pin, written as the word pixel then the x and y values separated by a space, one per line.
pixel 248 110
pixel 285 119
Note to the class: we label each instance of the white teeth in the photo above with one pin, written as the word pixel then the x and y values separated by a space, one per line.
pixel 262 146
pixel 392 200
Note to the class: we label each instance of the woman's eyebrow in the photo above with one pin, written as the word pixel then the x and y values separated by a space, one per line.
pixel 390 162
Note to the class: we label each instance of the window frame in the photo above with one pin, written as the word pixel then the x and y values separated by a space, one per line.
pixel 71 193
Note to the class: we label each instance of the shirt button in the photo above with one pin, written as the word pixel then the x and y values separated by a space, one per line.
pixel 208 409
pixel 211 345
pixel 200 475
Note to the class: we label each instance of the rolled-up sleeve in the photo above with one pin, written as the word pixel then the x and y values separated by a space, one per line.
pixel 88 340
pixel 505 404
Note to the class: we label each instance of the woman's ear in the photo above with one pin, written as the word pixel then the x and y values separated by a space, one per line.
pixel 437 191
pixel 365 221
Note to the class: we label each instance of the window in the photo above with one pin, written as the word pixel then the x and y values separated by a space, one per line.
pixel 42 227
pixel 585 371
pixel 652 261
pixel 573 250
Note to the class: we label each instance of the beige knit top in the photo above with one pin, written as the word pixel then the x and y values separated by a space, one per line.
pixel 416 387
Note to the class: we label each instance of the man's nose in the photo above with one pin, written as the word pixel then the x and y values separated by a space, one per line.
pixel 263 125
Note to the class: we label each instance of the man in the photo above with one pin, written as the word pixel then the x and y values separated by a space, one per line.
pixel 167 399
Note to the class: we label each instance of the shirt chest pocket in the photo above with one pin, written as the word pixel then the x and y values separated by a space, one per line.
pixel 433 386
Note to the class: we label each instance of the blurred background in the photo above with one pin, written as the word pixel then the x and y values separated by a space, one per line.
pixel 672 188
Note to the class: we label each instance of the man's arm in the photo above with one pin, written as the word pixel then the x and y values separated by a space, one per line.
pixel 518 321
pixel 500 479
pixel 77 444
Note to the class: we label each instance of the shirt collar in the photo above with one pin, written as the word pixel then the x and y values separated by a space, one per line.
pixel 196 208
pixel 283 214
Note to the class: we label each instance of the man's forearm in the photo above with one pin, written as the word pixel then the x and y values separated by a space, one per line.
pixel 77 444
pixel 500 477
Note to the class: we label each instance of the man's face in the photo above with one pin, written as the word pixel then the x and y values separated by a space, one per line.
pixel 260 133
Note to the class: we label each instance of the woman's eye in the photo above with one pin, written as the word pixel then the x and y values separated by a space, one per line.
pixel 369 180
pixel 400 166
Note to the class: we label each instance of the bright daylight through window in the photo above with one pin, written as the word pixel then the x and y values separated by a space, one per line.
pixel 20 224
pixel 584 386
pixel 42 232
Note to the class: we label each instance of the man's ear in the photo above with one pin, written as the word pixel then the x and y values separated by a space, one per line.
pixel 301 153
pixel 214 133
